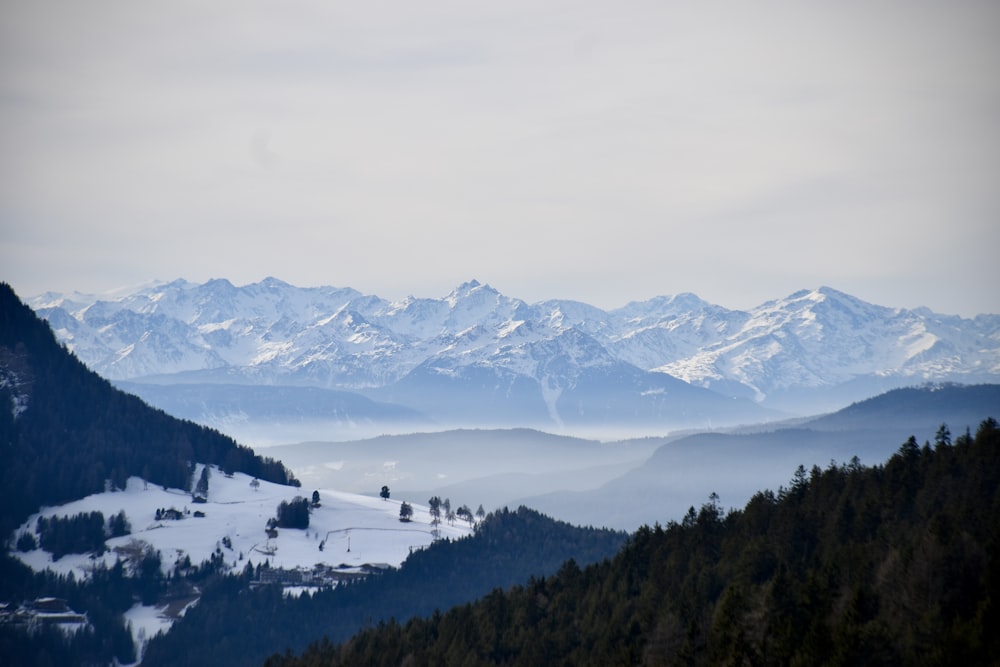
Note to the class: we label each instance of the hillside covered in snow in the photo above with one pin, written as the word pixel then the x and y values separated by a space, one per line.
pixel 99 558
pixel 348 536
pixel 345 533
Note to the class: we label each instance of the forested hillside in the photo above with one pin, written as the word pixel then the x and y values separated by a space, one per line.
pixel 65 432
pixel 898 564
pixel 913 409
pixel 235 625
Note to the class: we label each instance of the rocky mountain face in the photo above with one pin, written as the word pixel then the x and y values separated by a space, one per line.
pixel 477 355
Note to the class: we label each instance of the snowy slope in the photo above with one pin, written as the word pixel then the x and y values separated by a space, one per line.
pixel 355 531
pixel 237 511
pixel 273 333
pixel 823 338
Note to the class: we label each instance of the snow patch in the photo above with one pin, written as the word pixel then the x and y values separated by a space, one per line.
pixel 508 328
pixel 550 394
pixel 239 512
pixel 148 621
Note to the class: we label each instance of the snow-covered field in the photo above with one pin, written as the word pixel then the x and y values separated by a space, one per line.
pixel 148 621
pixel 355 530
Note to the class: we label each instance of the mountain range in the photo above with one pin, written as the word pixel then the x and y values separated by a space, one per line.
pixel 333 358
pixel 626 484
pixel 67 433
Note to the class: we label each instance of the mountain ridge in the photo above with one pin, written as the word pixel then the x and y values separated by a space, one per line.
pixel 808 352
pixel 735 463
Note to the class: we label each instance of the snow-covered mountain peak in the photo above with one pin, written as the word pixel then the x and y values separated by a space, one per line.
pixel 564 314
pixel 822 307
pixel 220 284
pixel 685 302
pixel 472 294
pixel 465 289
pixel 474 302
pixel 338 338
pixel 71 302
pixel 272 283
pixel 822 295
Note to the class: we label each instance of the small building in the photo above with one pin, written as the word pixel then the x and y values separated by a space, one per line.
pixel 46 611
pixel 49 605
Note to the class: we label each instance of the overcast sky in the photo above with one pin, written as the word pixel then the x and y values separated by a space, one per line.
pixel 598 151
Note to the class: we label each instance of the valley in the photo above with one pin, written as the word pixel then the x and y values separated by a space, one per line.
pixel 629 483
pixel 190 522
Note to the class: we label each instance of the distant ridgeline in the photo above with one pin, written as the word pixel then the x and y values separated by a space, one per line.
pixel 65 432
pixel 898 564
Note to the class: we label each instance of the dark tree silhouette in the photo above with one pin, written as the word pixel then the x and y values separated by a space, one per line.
pixel 293 514
pixel 435 510
pixel 73 432
pixel 200 494
pixel 891 565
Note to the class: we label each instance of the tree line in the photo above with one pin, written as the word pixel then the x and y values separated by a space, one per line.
pixel 896 564
pixel 79 534
pixel 104 596
pixel 234 625
pixel 73 434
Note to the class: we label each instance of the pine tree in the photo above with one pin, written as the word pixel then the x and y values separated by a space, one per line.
pixel 294 514
pixel 943 436
pixel 435 509
pixel 200 494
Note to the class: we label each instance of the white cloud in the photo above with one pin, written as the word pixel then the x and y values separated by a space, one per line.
pixel 555 149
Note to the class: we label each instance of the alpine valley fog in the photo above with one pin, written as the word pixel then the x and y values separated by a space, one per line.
pixel 483 398
pixel 272 363
pixel 157 519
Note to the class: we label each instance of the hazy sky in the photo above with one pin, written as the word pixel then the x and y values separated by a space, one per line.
pixel 598 151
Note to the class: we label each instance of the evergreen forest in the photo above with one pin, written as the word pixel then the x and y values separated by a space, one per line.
pixel 895 564
pixel 65 432
pixel 234 624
